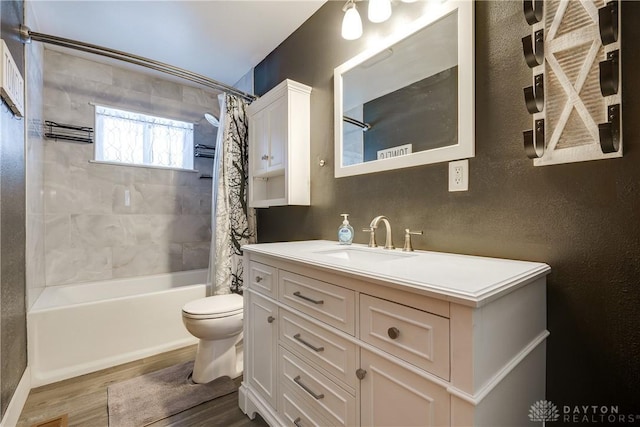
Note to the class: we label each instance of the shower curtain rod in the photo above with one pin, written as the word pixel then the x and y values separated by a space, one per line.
pixel 27 36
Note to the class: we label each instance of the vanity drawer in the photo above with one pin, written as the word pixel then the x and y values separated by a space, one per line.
pixel 262 278
pixel 328 351
pixel 329 303
pixel 330 400
pixel 413 335
pixel 297 412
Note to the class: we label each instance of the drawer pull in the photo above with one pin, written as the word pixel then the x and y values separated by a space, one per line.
pixel 270 319
pixel 296 422
pixel 315 301
pixel 307 389
pixel 393 332
pixel 360 373
pixel 258 279
pixel 311 346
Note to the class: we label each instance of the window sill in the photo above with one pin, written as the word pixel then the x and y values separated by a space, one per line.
pixel 137 165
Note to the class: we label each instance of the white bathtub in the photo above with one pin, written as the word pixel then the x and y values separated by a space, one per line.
pixel 77 329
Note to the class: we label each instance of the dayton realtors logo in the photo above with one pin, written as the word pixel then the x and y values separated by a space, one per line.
pixel 544 411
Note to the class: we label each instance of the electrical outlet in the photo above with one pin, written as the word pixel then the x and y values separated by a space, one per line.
pixel 459 175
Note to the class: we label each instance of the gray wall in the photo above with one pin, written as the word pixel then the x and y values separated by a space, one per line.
pixel 13 337
pixel 582 219
pixel 90 234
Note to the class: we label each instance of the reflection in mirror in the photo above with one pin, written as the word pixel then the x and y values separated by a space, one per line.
pixel 399 105
pixel 412 95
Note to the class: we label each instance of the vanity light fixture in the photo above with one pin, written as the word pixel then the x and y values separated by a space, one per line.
pixel 378 11
pixel 351 23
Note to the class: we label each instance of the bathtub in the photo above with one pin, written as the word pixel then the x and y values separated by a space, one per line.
pixel 77 329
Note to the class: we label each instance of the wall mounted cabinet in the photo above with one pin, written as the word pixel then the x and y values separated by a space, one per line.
pixel 279 139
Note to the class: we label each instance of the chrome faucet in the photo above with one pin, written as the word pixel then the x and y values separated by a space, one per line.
pixel 388 243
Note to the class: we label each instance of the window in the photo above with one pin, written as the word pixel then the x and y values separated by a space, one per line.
pixel 139 139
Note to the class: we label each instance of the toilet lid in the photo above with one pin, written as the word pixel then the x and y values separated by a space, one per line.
pixel 215 306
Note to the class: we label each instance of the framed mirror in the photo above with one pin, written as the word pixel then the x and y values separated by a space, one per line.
pixel 409 100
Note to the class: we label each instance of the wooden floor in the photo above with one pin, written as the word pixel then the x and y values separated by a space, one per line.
pixel 84 398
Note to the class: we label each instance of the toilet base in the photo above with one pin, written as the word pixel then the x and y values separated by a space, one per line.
pixel 216 359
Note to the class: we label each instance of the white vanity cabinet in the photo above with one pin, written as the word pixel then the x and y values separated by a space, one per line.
pixel 279 139
pixel 352 346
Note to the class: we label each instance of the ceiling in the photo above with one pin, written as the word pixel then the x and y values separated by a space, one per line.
pixel 222 40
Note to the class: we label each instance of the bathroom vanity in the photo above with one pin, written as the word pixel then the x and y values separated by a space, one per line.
pixel 350 335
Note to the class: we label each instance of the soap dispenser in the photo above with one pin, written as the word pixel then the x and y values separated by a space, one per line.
pixel 345 231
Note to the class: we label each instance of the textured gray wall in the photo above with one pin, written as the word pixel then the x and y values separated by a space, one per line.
pixel 582 219
pixel 13 335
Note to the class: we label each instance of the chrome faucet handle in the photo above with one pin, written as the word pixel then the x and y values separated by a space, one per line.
pixel 407 239
pixel 372 236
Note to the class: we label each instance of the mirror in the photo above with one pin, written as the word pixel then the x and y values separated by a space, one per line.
pixel 409 100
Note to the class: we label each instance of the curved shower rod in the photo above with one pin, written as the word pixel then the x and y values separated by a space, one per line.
pixel 364 126
pixel 26 35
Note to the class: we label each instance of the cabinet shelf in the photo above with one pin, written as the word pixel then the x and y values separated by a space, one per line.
pixel 269 174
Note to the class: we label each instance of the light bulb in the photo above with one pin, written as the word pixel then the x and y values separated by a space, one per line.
pixel 351 24
pixel 379 10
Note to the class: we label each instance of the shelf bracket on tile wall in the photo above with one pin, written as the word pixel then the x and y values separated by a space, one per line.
pixel 534 95
pixel 65 132
pixel 573 48
pixel 610 132
pixel 534 140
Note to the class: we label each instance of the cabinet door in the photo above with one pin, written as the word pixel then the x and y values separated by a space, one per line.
pixel 262 332
pixel 259 136
pixel 278 125
pixel 392 395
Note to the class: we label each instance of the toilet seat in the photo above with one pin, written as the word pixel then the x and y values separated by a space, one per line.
pixel 214 307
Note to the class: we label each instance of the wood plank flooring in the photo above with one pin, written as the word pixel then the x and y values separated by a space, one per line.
pixel 84 398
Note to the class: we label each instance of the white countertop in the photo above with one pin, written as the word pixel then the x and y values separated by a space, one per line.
pixel 470 280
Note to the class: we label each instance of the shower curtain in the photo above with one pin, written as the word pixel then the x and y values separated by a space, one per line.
pixel 233 222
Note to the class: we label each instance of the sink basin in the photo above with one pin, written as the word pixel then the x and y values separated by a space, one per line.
pixel 365 255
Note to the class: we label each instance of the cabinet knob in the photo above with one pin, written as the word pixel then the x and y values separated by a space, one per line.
pixel 360 373
pixel 265 157
pixel 258 279
pixel 270 319
pixel 393 332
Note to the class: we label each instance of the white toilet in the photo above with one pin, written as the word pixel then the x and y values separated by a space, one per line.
pixel 217 322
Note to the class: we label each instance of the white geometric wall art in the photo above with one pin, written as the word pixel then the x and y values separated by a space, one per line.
pixel 575 99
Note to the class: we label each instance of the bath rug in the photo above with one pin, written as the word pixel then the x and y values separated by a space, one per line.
pixel 151 397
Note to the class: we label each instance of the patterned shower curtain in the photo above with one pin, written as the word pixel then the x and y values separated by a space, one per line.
pixel 233 222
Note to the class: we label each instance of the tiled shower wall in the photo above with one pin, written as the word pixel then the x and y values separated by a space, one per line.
pixel 34 163
pixel 91 232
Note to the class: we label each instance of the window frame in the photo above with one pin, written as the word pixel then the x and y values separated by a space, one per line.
pixel 188 153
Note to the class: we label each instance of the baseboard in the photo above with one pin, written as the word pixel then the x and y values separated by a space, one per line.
pixel 19 398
